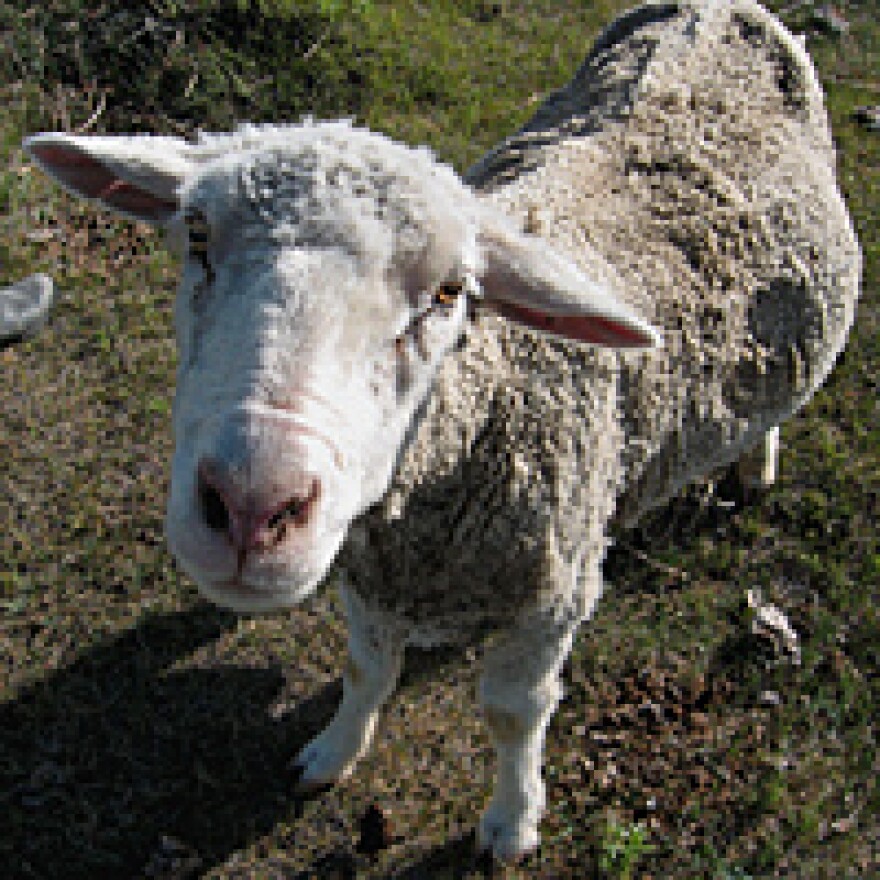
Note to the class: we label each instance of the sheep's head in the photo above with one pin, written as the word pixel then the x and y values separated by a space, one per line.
pixel 327 272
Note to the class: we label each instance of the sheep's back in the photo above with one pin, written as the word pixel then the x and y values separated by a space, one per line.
pixel 691 152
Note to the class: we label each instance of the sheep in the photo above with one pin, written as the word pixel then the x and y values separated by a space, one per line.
pixel 456 387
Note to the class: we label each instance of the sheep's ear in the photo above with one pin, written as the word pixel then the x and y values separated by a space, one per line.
pixel 137 175
pixel 526 280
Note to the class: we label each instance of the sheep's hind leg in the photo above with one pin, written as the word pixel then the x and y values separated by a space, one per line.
pixel 369 676
pixel 519 691
pixel 758 468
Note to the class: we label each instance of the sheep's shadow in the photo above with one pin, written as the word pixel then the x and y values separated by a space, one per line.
pixel 104 760
pixel 458 856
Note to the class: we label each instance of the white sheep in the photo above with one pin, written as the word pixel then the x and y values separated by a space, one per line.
pixel 337 397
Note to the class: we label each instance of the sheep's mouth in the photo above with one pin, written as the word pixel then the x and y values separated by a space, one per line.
pixel 240 595
pixel 273 588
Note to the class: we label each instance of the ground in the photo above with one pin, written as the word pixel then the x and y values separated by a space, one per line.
pixel 145 733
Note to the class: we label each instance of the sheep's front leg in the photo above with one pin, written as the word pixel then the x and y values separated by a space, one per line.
pixel 369 676
pixel 519 691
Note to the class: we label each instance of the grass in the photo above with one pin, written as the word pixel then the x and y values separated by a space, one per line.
pixel 144 733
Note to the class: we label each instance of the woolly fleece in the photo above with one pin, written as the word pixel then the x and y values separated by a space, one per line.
pixel 689 163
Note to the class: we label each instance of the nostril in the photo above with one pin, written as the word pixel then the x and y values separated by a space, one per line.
pixel 295 512
pixel 250 523
pixel 291 511
pixel 213 507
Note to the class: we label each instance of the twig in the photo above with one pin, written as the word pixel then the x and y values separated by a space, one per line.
pixel 669 570
pixel 315 46
pixel 90 122
pixel 191 84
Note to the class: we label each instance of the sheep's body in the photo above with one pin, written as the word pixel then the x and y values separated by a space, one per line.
pixel 685 176
pixel 689 164
pixel 692 153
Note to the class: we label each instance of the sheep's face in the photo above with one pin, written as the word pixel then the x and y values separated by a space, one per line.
pixel 319 294
pixel 322 286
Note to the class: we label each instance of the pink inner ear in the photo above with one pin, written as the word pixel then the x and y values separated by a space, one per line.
pixel 90 178
pixel 583 328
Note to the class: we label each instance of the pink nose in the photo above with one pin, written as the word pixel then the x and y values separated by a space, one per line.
pixel 254 522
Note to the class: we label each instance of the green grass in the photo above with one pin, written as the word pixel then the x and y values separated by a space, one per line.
pixel 133 713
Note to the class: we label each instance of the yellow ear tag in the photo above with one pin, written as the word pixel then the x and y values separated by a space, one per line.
pixel 446 294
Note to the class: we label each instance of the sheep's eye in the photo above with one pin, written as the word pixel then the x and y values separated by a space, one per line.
pixel 446 294
pixel 443 297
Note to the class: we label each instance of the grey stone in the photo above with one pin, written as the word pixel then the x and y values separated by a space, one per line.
pixel 24 306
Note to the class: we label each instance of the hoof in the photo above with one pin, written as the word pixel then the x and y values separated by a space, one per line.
pixel 492 864
pixel 506 843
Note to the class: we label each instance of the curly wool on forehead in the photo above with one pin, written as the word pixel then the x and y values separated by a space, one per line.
pixel 249 137
pixel 329 184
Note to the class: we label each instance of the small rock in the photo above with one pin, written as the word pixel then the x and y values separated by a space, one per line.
pixel 770 698
pixel 769 623
pixel 24 306
pixel 869 117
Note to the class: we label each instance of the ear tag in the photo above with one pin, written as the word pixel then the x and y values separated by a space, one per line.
pixel 446 294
